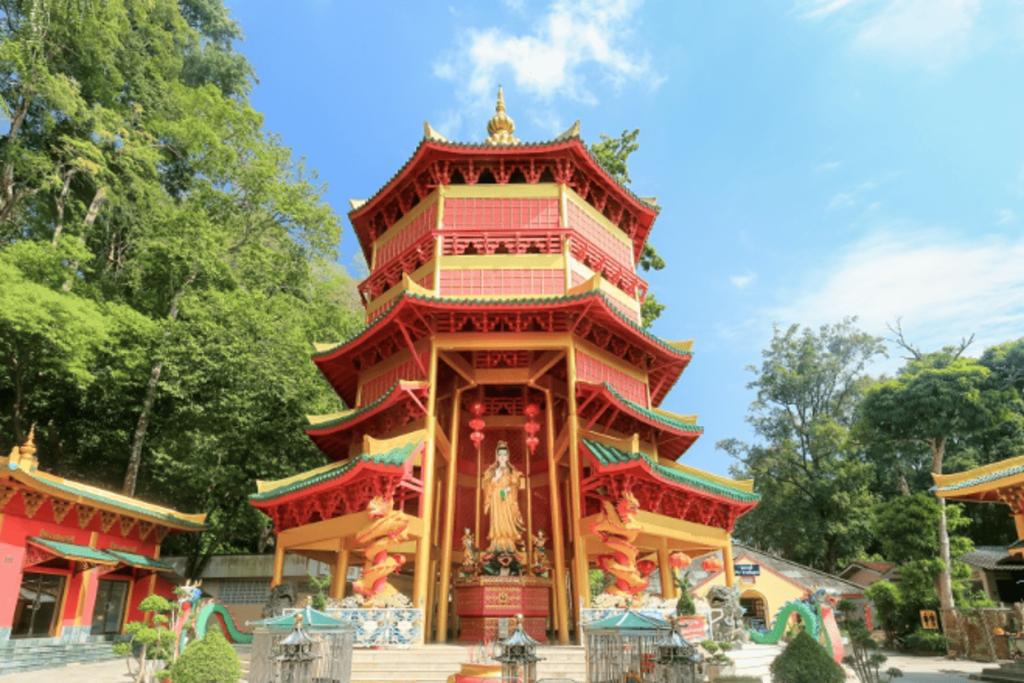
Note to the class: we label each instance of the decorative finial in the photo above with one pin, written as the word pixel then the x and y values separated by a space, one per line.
pixel 297 618
pixel 501 126
pixel 29 447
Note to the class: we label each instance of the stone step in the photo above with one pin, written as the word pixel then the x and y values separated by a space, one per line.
pixel 434 663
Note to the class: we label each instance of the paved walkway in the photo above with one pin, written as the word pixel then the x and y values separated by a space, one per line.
pixel 915 670
pixel 113 671
pixel 932 669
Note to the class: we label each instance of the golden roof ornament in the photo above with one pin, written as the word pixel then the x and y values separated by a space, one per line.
pixel 501 126
pixel 29 447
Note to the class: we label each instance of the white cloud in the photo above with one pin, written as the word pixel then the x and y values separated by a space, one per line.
pixel 943 286
pixel 1005 216
pixel 928 33
pixel 828 167
pixel 742 281
pixel 839 201
pixel 931 32
pixel 819 9
pixel 549 61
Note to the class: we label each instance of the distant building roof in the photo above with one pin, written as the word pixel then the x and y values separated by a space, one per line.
pixel 992 557
pixel 810 579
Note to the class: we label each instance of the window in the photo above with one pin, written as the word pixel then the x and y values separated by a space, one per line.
pixel 243 592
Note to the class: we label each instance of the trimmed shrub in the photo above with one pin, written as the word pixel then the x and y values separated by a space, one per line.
pixel 210 660
pixel 805 661
pixel 930 641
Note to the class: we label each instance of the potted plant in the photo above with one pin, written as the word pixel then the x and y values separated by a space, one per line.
pixel 718 663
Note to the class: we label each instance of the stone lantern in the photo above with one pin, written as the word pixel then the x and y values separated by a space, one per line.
pixel 297 655
pixel 678 660
pixel 518 655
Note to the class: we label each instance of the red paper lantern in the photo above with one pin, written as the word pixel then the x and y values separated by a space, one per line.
pixel 711 564
pixel 477 424
pixel 679 560
pixel 532 410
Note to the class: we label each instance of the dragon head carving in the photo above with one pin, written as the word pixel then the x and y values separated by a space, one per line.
pixel 627 506
pixel 379 506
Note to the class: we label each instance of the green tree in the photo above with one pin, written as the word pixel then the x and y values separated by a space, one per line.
pixel 613 155
pixel 148 223
pixel 935 398
pixel 815 505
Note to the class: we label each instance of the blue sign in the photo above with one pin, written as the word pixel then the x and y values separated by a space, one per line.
pixel 747 569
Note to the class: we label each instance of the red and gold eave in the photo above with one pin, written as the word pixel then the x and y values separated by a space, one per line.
pixel 565 160
pixel 663 487
pixel 588 315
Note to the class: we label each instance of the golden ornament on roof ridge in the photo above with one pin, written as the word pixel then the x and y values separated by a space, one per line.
pixel 500 127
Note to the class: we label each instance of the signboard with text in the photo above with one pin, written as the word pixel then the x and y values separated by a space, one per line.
pixel 747 569
pixel 694 628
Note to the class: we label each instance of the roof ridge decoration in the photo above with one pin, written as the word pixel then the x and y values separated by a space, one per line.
pixel 979 475
pixel 500 127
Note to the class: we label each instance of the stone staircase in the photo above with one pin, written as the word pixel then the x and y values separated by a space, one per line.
pixel 1010 672
pixel 434 663
pixel 754 660
pixel 17 656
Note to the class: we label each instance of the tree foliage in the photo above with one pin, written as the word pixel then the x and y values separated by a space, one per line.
pixel 166 261
pixel 816 502
pixel 613 155
pixel 935 399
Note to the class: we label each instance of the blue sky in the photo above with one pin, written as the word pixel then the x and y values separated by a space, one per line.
pixel 814 158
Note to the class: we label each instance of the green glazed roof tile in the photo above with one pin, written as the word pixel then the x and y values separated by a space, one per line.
pixel 609 456
pixel 313 620
pixel 74 552
pixel 629 621
pixel 140 560
pixel 396 457
pixel 657 418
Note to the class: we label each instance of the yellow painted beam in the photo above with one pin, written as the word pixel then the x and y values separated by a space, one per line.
pixel 459 365
pixel 503 376
pixel 423 575
pixel 544 363
pixel 339 527
pixel 526 341
pixel 503 261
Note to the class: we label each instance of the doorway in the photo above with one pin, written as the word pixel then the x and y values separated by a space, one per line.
pixel 108 613
pixel 39 599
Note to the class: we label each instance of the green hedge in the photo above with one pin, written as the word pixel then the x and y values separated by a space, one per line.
pixel 805 661
pixel 211 660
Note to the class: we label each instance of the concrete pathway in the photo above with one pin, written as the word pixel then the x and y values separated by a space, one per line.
pixel 915 670
pixel 113 671
pixel 931 669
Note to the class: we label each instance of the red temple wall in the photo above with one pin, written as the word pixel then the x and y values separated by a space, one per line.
pixel 15 529
pixel 520 281
pixel 589 369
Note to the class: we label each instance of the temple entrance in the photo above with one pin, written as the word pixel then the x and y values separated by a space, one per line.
pixel 111 597
pixel 755 611
pixel 39 599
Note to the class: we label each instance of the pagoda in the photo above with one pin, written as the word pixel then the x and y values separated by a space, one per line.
pixel 504 435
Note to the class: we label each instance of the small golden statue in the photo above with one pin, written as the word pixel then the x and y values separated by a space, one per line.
pixel 540 555
pixel 470 555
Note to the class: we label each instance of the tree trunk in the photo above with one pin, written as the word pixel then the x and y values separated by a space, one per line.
pixel 135 459
pixel 131 477
pixel 946 577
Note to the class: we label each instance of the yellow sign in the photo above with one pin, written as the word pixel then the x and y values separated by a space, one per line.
pixel 122 548
pixel 929 619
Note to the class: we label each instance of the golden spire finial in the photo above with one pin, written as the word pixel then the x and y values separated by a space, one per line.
pixel 29 447
pixel 501 126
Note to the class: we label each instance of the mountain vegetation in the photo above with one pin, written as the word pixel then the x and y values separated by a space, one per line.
pixel 166 261
pixel 843 460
